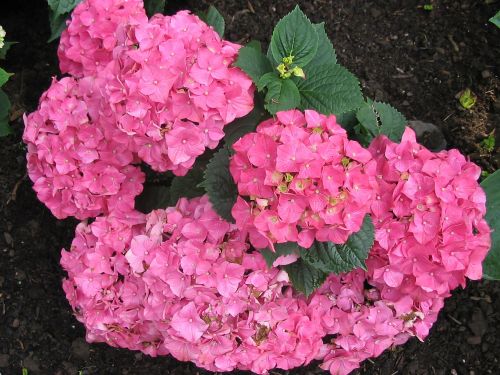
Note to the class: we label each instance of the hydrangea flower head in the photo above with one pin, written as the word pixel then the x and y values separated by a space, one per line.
pixel 182 281
pixel 175 89
pixel 303 179
pixel 429 214
pixel 77 167
pixel 93 32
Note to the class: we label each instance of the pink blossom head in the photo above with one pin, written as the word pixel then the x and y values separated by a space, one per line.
pixel 302 180
pixel 76 166
pixel 430 227
pixel 183 281
pixel 175 89
pixel 96 27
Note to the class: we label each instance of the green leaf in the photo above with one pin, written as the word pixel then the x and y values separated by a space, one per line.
pixel 57 25
pixel 328 89
pixel 153 197
pixel 294 35
pixel 5 49
pixel 304 277
pixel 62 6
pixel 247 124
pixel 281 249
pixel 59 12
pixel 326 53
pixel 380 118
pixel 219 185
pixel 266 79
pixel 392 121
pixel 154 6
pixel 255 44
pixel 282 94
pixel 347 120
pixel 331 258
pixel 5 128
pixel 491 186
pixel 368 119
pixel 4 77
pixel 495 20
pixel 214 18
pixel 253 62
pixel 187 186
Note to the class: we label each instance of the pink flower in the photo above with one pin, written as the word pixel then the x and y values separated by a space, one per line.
pixel 303 178
pixel 188 324
pixel 78 170
pixel 92 33
pixel 184 143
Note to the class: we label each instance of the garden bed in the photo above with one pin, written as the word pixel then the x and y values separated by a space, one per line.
pixel 417 60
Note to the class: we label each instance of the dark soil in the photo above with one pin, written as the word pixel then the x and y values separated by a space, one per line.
pixel 415 59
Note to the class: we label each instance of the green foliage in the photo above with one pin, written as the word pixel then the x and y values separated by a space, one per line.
pixel 280 249
pixel 329 89
pixel 253 62
pixel 63 6
pixel 377 118
pixel 282 94
pixel 213 18
pixel 59 12
pixel 294 36
pixel 324 258
pixel 467 99
pixel 304 277
pixel 187 186
pixel 266 79
pixel 326 54
pixel 5 49
pixel 488 143
pixel 495 20
pixel 154 6
pixel 5 105
pixel 219 184
pixel 429 7
pixel 4 77
pixel 491 186
pixel 300 69
pixel 5 128
pixel 331 258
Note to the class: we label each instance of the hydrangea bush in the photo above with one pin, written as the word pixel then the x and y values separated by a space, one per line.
pixel 306 222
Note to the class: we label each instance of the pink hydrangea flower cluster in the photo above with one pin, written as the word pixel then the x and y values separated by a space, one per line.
pixel 430 228
pixel 87 44
pixel 175 90
pixel 303 179
pixel 158 91
pixel 77 166
pixel 182 281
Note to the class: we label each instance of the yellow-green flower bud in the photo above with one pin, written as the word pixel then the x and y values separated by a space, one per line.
pixel 298 72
